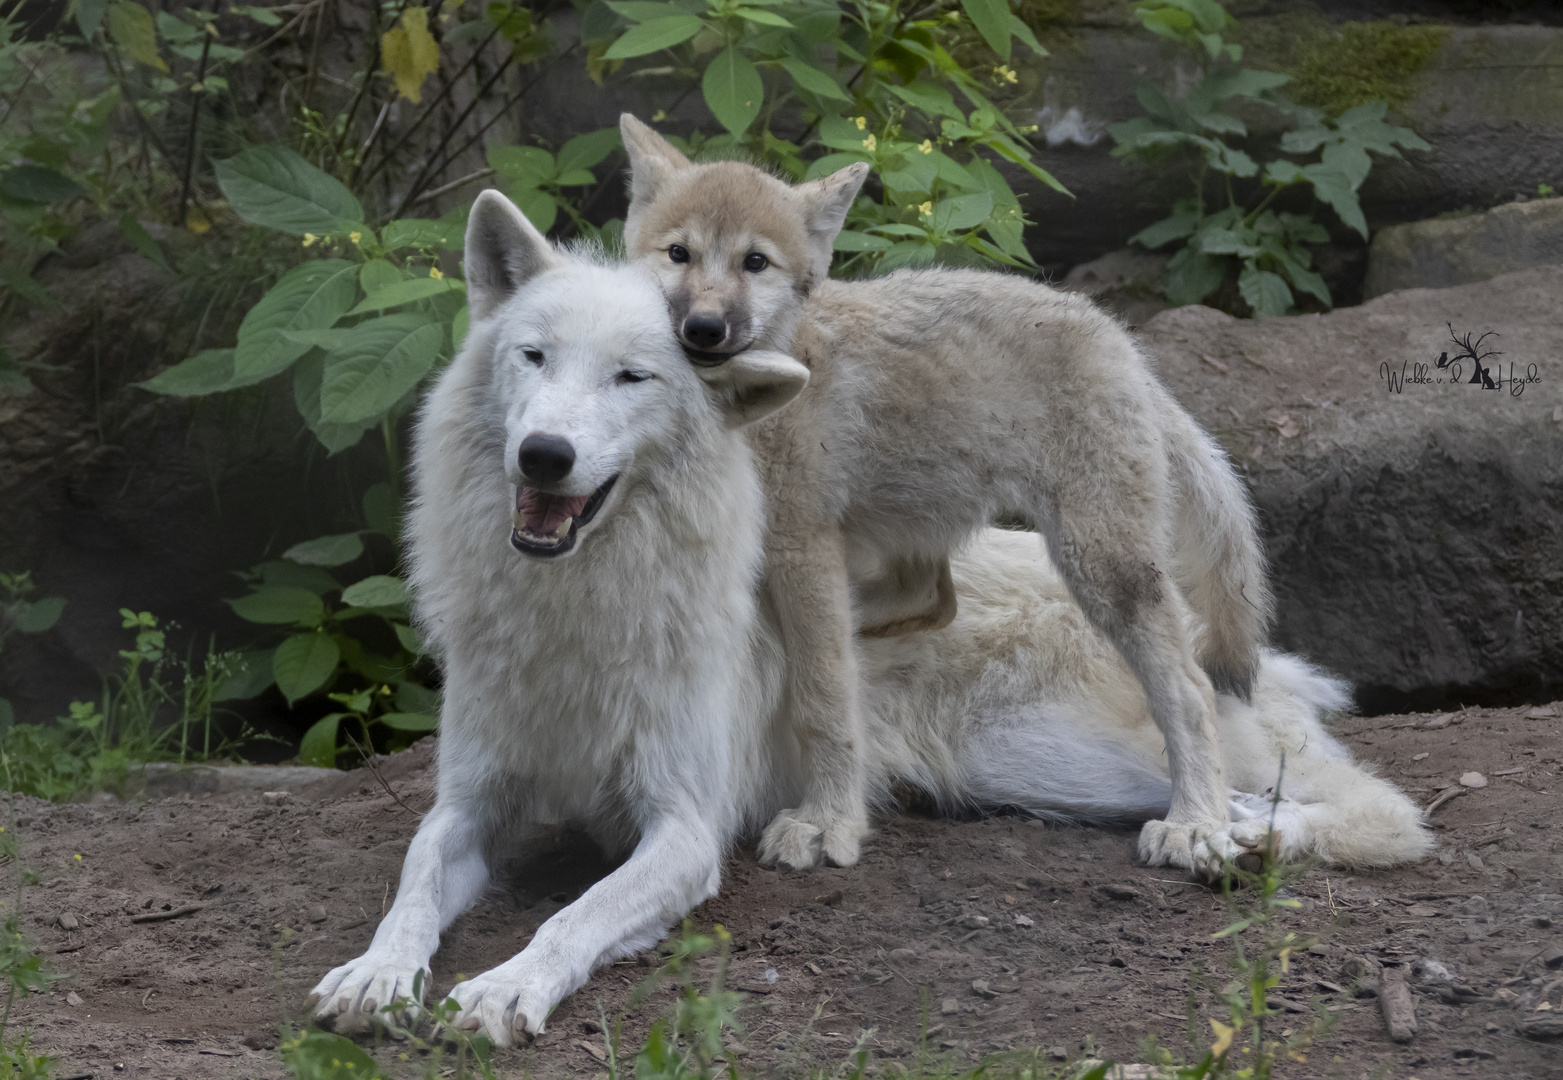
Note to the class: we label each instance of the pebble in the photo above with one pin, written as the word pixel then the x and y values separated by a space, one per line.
pixel 1473 780
pixel 949 1007
pixel 317 914
pixel 73 998
pixel 981 988
pixel 68 921
pixel 1024 920
pixel 1058 1053
pixel 903 956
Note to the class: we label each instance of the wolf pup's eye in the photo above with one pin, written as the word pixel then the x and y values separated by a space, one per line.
pixel 754 262
pixel 633 376
pixel 678 253
pixel 534 355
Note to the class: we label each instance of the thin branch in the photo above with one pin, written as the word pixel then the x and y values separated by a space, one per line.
pixel 197 91
pixel 369 74
pixel 452 186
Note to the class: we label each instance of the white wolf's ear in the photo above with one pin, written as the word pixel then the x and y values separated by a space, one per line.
pixel 652 159
pixel 504 252
pixel 825 205
pixel 754 384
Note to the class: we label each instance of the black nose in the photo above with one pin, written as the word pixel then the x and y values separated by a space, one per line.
pixel 705 331
pixel 546 459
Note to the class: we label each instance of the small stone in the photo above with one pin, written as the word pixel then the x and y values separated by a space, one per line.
pixel 1432 971
pixel 974 922
pixel 1058 1053
pixel 68 921
pixel 813 968
pixel 1553 957
pixel 832 899
pixel 119 1066
pixel 903 956
pixel 1474 861
pixel 1473 780
pixel 1504 996
pixel 1115 891
pixel 1423 756
pixel 1421 911
pixel 1117 962
pixel 317 914
pixel 1438 722
pixel 1024 920
pixel 949 1007
pixel 74 999
pixel 981 988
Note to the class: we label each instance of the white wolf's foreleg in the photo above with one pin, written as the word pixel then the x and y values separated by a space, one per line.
pixel 676 866
pixel 444 874
pixel 807 576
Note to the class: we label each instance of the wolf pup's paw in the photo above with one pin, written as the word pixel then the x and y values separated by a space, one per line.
pixel 352 997
pixel 505 1005
pixel 1197 849
pixel 800 839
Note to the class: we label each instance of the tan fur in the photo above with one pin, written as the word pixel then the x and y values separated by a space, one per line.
pixel 937 400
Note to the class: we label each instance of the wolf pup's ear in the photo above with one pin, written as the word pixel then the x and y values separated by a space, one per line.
pixel 504 252
pixel 825 205
pixel 652 159
pixel 754 384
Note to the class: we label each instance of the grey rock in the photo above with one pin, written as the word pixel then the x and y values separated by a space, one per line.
pixel 1441 252
pixel 1415 538
pixel 1127 282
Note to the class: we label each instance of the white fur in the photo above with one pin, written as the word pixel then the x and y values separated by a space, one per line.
pixel 635 687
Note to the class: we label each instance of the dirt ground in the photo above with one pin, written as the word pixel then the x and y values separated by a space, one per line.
pixel 1079 942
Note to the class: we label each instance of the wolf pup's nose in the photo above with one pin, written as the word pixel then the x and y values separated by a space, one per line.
pixel 705 331
pixel 546 459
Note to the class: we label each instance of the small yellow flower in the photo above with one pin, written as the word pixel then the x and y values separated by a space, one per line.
pixel 953 16
pixel 355 236
pixel 926 146
pixel 659 116
pixel 434 272
pixel 309 239
pixel 860 121
pixel 1224 1035
pixel 78 858
pixel 870 143
pixel 1005 74
pixel 926 209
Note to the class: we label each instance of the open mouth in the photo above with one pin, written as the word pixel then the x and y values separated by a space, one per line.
pixel 545 525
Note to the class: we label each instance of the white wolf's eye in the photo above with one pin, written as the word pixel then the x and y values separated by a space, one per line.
pixel 534 355
pixel 678 253
pixel 754 262
pixel 633 376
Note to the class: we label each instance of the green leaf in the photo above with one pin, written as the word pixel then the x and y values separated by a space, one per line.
pixel 417 698
pixel 377 274
pixel 531 164
pixel 37 184
pixel 831 163
pixel 763 18
pixel 409 721
pixel 318 747
pixel 1333 187
pixel 1352 161
pixel 38 616
pixel 248 674
pixel 207 372
pixel 132 29
pixel 1283 172
pixel 1308 281
pixel 1018 28
pixel 1192 275
pixel 962 212
pixel 89 16
pixel 304 663
pixel 307 377
pixel 653 36
pixel 733 90
pixel 382 360
pixel 933 100
pixel 381 590
pixel 540 208
pixel 1181 224
pixel 850 240
pixel 141 240
pixel 814 80
pixel 991 18
pixel 408 638
pixel 1265 292
pixel 283 605
pixel 335 550
pixel 589 150
pixel 419 233
pixel 273 187
pixel 406 292
pixel 309 297
pixel 380 510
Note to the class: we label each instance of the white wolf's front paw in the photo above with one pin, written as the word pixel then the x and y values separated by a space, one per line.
pixel 1280 830
pixel 352 995
pixel 506 1004
pixel 801 838
pixel 1199 849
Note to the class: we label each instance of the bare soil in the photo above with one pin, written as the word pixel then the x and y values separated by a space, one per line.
pixel 294 886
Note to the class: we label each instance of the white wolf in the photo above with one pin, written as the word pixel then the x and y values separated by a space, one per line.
pixel 937 399
pixel 586 544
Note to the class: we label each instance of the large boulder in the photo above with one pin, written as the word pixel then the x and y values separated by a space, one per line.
pixel 1414 528
pixel 1446 251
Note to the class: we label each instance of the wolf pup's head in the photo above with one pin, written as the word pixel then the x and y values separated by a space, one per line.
pixel 585 375
pixel 734 248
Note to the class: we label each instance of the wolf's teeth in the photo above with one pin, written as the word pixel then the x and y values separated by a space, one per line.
pixel 564 528
pixel 519 522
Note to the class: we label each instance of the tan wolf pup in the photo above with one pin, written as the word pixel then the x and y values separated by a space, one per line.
pixel 938 399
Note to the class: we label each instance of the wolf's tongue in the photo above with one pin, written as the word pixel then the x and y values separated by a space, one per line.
pixel 544 513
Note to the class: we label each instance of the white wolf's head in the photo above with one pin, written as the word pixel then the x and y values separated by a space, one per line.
pixel 734 248
pixel 591 386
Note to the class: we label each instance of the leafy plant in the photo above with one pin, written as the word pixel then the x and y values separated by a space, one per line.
pixel 877 82
pixel 1266 248
pixel 21 967
pixel 18 615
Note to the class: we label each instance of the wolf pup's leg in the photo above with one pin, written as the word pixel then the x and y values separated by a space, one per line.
pixel 910 596
pixel 676 865
pixel 1109 535
pixel 444 874
pixel 807 581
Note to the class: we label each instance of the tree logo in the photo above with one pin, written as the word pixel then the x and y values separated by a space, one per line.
pixel 1480 375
